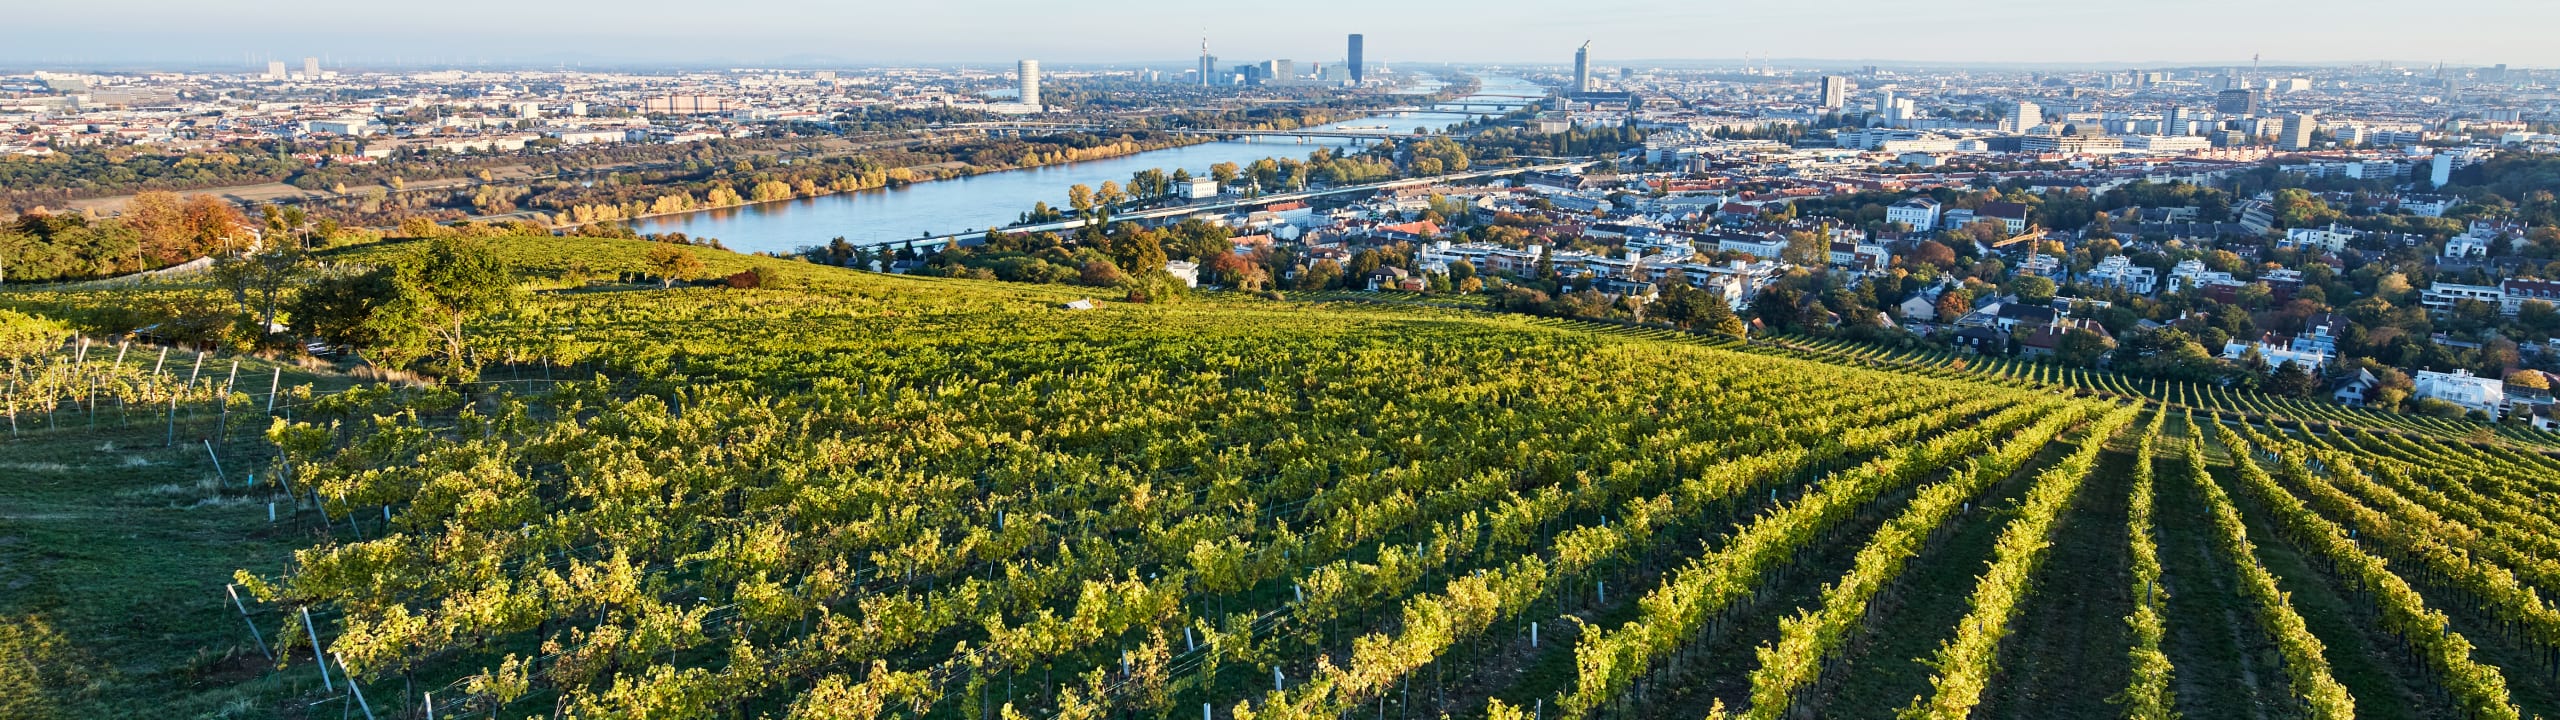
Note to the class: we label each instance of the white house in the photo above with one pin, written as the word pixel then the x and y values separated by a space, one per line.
pixel 2118 271
pixel 2443 295
pixel 2331 238
pixel 1919 213
pixel 2276 354
pixel 1199 189
pixel 2462 388
pixel 2468 245
pixel 1186 271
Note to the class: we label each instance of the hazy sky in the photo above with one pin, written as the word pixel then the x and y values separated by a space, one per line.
pixel 814 32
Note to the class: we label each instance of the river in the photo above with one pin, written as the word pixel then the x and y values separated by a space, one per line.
pixel 999 198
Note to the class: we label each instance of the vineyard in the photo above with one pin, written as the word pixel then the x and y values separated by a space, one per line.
pixel 862 496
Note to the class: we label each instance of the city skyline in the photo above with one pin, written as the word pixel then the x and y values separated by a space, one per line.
pixel 997 32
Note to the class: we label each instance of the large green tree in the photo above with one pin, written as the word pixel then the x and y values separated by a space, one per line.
pixel 435 294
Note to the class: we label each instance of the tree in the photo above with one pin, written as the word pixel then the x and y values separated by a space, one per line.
pixel 1930 253
pixel 672 263
pixel 1319 276
pixel 1461 271
pixel 2080 348
pixel 2531 379
pixel 1807 248
pixel 435 294
pixel 2539 316
pixel 2291 380
pixel 339 309
pixel 2031 289
pixel 1080 199
pixel 1954 304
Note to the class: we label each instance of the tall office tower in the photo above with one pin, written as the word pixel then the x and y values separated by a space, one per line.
pixel 2175 121
pixel 311 68
pixel 1356 76
pixel 1884 104
pixel 2243 101
pixel 1835 91
pixel 2297 132
pixel 1582 68
pixel 1030 71
pixel 275 69
pixel 2022 115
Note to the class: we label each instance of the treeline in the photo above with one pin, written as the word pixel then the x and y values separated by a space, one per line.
pixel 50 181
pixel 157 230
pixel 756 180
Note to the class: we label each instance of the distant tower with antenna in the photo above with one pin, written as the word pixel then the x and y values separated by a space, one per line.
pixel 1208 63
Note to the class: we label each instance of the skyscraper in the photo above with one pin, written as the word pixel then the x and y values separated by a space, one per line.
pixel 275 69
pixel 2176 121
pixel 311 68
pixel 1582 68
pixel 1030 71
pixel 1356 72
pixel 1835 91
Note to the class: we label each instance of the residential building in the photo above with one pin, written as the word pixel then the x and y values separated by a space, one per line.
pixel 2320 334
pixel 2444 295
pixel 2177 122
pixel 2277 350
pixel 2012 215
pixel 2462 388
pixel 1920 213
pixel 1030 77
pixel 1186 271
pixel 2020 115
pixel 2513 294
pixel 2331 238
pixel 2237 102
pixel 2257 216
pixel 2166 143
pixel 1835 92
pixel 2118 271
pixel 2473 244
pixel 2296 135
pixel 1864 257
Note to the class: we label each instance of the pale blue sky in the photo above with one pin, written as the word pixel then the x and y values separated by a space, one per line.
pixel 813 32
